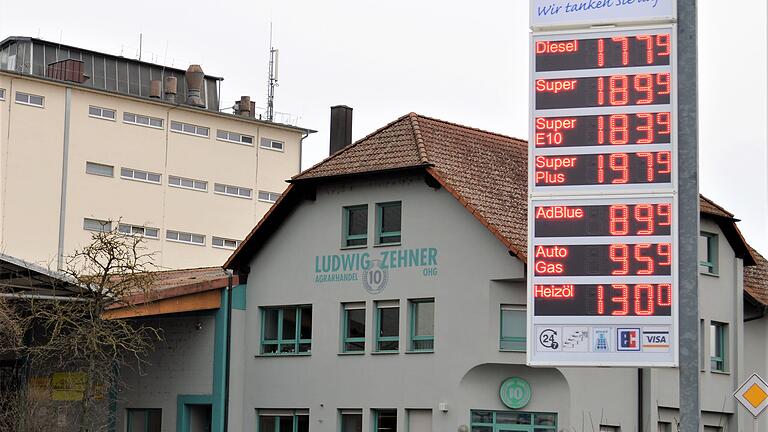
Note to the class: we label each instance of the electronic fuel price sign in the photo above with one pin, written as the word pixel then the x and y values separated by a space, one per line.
pixel 602 211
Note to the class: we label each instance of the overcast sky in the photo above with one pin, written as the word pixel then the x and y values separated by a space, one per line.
pixel 465 62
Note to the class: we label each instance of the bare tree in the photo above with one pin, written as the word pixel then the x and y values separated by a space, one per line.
pixel 72 337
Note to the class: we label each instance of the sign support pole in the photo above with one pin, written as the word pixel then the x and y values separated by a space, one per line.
pixel 688 202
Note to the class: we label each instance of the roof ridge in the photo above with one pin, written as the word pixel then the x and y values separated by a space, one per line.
pixel 472 128
pixel 345 149
pixel 417 136
pixel 716 205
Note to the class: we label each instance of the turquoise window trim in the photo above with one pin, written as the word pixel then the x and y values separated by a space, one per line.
pixel 347 237
pixel 412 337
pixel 182 409
pixel 239 297
pixel 294 422
pixel 220 360
pixel 375 417
pixel 380 338
pixel 345 331
pixel 382 234
pixel 496 426
pixel 710 265
pixel 280 342
pixel 518 342
pixel 719 361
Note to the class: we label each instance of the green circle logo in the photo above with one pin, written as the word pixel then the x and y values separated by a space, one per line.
pixel 515 392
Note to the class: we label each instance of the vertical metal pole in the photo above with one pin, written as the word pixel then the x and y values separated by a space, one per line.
pixel 688 222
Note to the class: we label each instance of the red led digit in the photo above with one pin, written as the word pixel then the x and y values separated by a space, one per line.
pixel 665 214
pixel 648 165
pixel 600 300
pixel 644 83
pixel 663 158
pixel 619 254
pixel 664 294
pixel 644 214
pixel 624 42
pixel 663 81
pixel 600 169
pixel 601 90
pixel 622 299
pixel 619 220
pixel 619 162
pixel 662 41
pixel 601 130
pixel 648 303
pixel 662 119
pixel 648 39
pixel 618 89
pixel 647 128
pixel 664 250
pixel 619 126
pixel 639 248
pixel 601 52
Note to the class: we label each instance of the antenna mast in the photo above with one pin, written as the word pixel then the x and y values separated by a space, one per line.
pixel 272 82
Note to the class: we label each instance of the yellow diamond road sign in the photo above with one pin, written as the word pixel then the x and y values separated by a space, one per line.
pixel 753 395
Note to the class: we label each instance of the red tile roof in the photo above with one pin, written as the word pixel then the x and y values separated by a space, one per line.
pixel 756 278
pixel 175 283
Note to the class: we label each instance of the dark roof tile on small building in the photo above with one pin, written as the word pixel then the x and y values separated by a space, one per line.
pixel 756 278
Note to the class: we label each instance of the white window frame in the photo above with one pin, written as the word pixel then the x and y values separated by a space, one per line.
pixel 271 146
pixel 107 225
pixel 102 116
pixel 172 178
pixel 228 139
pixel 237 195
pixel 179 240
pixel 27 102
pixel 2 94
pixel 138 230
pixel 112 167
pixel 150 118
pixel 269 194
pixel 160 181
pixel 223 242
pixel 195 133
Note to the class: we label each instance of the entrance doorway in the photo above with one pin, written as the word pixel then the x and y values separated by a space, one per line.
pixel 200 418
pixel 520 421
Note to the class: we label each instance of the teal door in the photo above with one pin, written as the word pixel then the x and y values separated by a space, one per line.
pixel 519 421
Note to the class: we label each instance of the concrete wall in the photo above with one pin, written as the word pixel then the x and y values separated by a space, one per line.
pixel 181 364
pixel 31 152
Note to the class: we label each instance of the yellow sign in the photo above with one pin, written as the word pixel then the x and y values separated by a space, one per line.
pixel 68 386
pixel 753 395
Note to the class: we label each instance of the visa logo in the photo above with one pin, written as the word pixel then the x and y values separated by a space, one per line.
pixel 655 338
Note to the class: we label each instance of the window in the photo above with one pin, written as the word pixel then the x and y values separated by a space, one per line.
pixel 132 174
pixel 142 120
pixel 185 237
pixel 718 346
pixel 283 421
pixel 2 94
pixel 270 144
pixel 387 326
pixel 708 253
pixel 144 420
pixel 286 330
pixel 102 113
pixel 99 169
pixel 234 137
pixel 388 223
pixel 188 183
pixel 189 129
pixel 269 197
pixel 29 99
pixel 608 428
pixel 418 420
pixel 97 225
pixel 355 225
pixel 487 421
pixel 422 324
pixel 351 420
pixel 384 420
pixel 224 243
pixel 512 336
pixel 665 427
pixel 353 328
pixel 138 230
pixel 235 191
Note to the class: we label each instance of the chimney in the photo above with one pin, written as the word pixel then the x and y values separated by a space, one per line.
pixel 155 89
pixel 170 88
pixel 341 127
pixel 244 106
pixel 194 77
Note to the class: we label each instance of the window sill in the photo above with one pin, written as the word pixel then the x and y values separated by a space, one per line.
pixel 385 352
pixel 720 372
pixel 705 273
pixel 352 353
pixel 188 188
pixel 511 351
pixel 190 134
pixel 282 355
pixel 272 149
pixel 141 181
pixel 233 196
pixel 144 125
pixel 30 104
pixel 388 244
pixel 184 242
pixel 354 247
pixel 420 352
pixel 233 142
pixel 102 118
